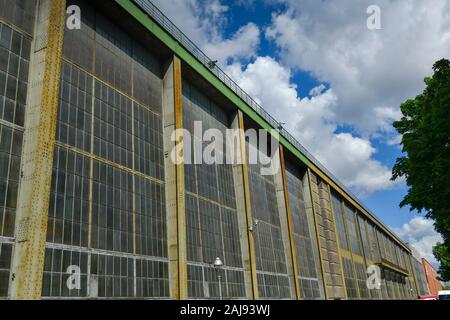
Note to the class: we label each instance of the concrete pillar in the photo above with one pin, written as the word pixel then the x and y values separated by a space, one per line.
pixel 312 226
pixel 326 238
pixel 339 265
pixel 38 151
pixel 174 174
pixel 286 224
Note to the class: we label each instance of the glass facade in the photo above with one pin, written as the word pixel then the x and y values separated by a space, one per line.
pixel 271 264
pixel 349 277
pixel 353 236
pixel 340 222
pixel 211 214
pixel 306 250
pixel 364 244
pixel 420 277
pixel 364 237
pixel 107 211
pixel 107 207
pixel 16 28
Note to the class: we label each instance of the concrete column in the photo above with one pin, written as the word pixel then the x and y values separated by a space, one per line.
pixel 286 224
pixel 334 260
pixel 312 226
pixel 312 205
pixel 38 151
pixel 326 236
pixel 339 265
pixel 174 174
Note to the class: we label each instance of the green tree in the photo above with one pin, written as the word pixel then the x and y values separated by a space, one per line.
pixel 425 127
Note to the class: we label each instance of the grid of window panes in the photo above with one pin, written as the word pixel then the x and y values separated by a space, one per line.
pixel 394 283
pixel 58 273
pixel 209 282
pixel 340 221
pixel 380 243
pixel 211 215
pixel 352 230
pixel 108 180
pixel 374 250
pixel 270 253
pixel 412 285
pixel 68 220
pixel 75 108
pixel 420 277
pixel 5 265
pixel 16 29
pixel 19 13
pixel 10 153
pixel 364 237
pixel 361 278
pixel 304 234
pixel 15 48
pixel 349 277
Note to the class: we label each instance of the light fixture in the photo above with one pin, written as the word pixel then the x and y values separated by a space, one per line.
pixel 255 224
pixel 218 263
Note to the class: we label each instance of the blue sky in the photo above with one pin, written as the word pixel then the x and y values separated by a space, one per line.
pixel 385 204
pixel 337 85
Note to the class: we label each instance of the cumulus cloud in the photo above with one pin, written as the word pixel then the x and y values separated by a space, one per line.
pixel 371 72
pixel 365 75
pixel 420 233
pixel 313 120
pixel 203 22
pixel 242 45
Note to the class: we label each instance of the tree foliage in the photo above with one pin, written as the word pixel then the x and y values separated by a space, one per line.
pixel 425 127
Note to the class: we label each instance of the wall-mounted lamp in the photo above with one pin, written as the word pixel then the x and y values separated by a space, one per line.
pixel 255 224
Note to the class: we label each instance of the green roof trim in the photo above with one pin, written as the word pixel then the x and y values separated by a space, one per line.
pixel 140 16
pixel 181 52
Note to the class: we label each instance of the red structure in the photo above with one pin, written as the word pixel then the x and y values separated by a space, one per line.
pixel 432 277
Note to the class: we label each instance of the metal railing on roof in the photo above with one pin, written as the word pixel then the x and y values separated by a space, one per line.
pixel 182 39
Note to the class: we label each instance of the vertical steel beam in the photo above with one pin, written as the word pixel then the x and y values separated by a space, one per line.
pixel 174 173
pixel 290 225
pixel 38 151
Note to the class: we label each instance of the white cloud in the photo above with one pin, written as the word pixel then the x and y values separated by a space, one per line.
pixel 420 233
pixel 204 21
pixel 317 90
pixel 313 121
pixel 242 45
pixel 368 73
pixel 371 72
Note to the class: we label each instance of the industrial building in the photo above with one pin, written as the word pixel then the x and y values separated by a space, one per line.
pixel 433 279
pixel 87 183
